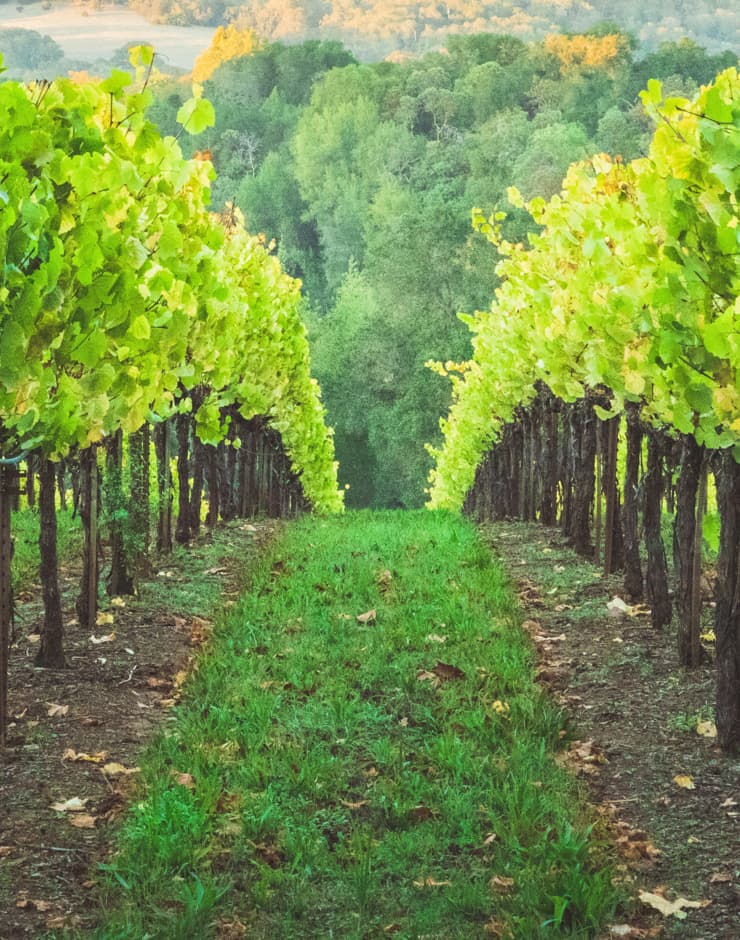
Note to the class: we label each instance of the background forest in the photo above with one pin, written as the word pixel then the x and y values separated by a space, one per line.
pixel 365 175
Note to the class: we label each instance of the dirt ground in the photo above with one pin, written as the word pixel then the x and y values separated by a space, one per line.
pixel 633 716
pixel 77 733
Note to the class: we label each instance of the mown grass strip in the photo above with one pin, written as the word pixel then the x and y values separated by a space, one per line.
pixel 349 779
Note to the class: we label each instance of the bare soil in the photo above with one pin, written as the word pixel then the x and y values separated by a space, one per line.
pixel 633 714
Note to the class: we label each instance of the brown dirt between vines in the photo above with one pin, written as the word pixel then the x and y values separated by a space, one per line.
pixel 118 694
pixel 622 689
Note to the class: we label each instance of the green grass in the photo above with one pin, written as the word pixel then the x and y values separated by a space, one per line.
pixel 328 778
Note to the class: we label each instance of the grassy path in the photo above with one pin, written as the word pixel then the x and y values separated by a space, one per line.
pixel 329 776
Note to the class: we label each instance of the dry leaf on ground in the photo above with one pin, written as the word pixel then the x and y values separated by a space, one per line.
pixel 71 754
pixel 670 908
pixel 368 617
pixel 75 805
pixel 501 884
pixel 56 711
pixel 83 821
pixel 115 769
pixel 431 883
pixel 684 781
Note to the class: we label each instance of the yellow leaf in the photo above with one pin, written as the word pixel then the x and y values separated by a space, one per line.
pixel 670 908
pixel 431 883
pixel 685 781
pixel 707 729
pixel 57 711
pixel 104 619
pixel 71 754
pixel 118 770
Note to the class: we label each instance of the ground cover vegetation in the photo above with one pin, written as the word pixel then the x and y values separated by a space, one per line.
pixel 362 750
pixel 365 176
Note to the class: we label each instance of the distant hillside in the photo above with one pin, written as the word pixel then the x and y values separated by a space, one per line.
pixel 380 28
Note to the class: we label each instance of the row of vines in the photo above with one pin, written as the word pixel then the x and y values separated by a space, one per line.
pixel 606 372
pixel 133 320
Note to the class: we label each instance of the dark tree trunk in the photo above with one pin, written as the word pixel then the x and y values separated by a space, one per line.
pixel 584 449
pixel 213 495
pixel 139 447
pixel 51 650
pixel 727 614
pixel 196 493
pixel 8 486
pixel 567 470
pixel 613 542
pixel 633 585
pixel 549 503
pixel 182 530
pixel 657 568
pixel 61 484
pixel 684 534
pixel 120 580
pixel 87 602
pixel 31 462
pixel 164 487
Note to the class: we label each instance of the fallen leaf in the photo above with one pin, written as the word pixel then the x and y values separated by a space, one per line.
pixel 200 631
pixel 156 683
pixel 721 878
pixel 75 805
pixel 184 780
pixel 216 570
pixel 5 850
pixel 670 908
pixel 501 708
pixel 420 813
pixel 384 579
pixel 729 802
pixel 118 770
pixel 368 617
pixel 494 928
pixel 501 884
pixel 490 838
pixel 106 638
pixel 117 602
pixel 625 930
pixel 446 672
pixel 34 638
pixel 684 781
pixel 707 729
pixel 358 805
pixel 432 883
pixel 104 619
pixel 436 638
pixel 71 754
pixel 56 711
pixel 35 904
pixel 83 821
